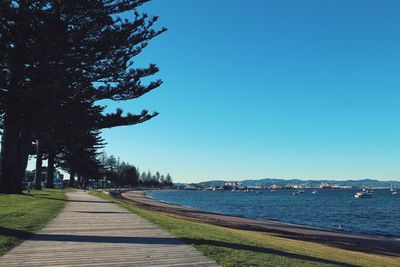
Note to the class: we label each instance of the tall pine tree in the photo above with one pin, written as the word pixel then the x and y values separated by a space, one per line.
pixel 58 52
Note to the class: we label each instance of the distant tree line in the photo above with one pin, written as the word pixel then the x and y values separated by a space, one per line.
pixel 149 180
pixel 59 61
pixel 120 173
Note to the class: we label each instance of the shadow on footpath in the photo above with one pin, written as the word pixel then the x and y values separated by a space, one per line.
pixel 101 212
pixel 164 241
pixel 71 200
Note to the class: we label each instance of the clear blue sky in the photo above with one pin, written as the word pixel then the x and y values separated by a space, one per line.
pixel 255 89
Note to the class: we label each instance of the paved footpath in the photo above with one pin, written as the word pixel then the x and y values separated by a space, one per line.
pixel 91 231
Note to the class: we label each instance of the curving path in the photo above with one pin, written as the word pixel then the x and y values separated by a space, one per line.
pixel 94 232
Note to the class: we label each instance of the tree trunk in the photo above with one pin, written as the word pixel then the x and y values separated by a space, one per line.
pixel 10 175
pixel 15 146
pixel 79 180
pixel 24 148
pixel 9 159
pixel 50 170
pixel 39 161
pixel 71 179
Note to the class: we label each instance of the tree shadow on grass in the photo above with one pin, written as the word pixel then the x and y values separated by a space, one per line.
pixel 237 246
pixel 21 234
pixel 163 241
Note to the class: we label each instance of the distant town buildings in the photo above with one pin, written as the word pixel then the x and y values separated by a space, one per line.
pixel 233 186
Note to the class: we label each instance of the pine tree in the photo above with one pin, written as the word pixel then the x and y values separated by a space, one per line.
pixel 55 53
pixel 168 180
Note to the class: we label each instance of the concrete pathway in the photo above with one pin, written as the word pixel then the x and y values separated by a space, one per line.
pixel 94 232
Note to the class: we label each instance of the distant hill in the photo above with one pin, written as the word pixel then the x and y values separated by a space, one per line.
pixel 281 182
pixel 364 182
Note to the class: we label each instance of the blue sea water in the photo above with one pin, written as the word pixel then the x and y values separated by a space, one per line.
pixel 331 209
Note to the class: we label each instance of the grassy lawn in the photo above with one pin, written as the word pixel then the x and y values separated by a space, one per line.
pixel 231 247
pixel 23 215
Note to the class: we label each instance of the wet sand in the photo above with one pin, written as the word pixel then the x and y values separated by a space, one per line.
pixel 364 243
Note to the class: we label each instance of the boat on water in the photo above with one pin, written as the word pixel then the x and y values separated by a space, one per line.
pixel 368 190
pixel 296 193
pixel 363 194
pixel 394 191
pixel 314 191
pixel 391 188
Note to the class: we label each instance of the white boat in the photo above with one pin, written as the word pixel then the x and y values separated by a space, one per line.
pixel 314 191
pixel 394 192
pixel 363 194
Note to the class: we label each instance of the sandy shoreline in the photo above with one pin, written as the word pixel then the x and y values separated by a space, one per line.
pixel 372 244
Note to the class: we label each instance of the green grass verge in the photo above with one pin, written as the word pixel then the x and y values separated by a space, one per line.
pixel 23 215
pixel 232 247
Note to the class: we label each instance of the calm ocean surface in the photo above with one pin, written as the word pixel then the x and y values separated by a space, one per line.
pixel 331 209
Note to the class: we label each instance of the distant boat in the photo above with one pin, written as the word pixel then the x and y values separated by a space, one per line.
pixel 391 188
pixel 394 192
pixel 296 193
pixel 368 190
pixel 314 191
pixel 363 194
